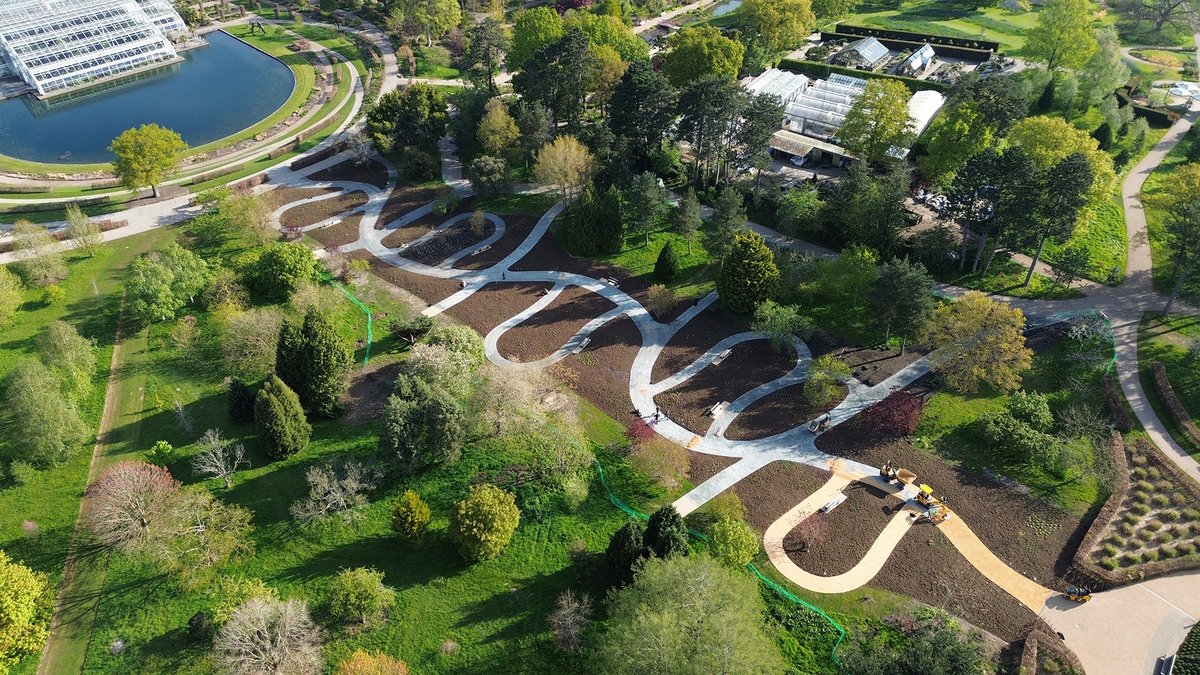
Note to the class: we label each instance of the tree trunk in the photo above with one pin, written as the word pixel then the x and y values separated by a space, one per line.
pixel 154 191
pixel 1036 256
pixel 983 238
pixel 962 249
pixel 903 344
pixel 1183 275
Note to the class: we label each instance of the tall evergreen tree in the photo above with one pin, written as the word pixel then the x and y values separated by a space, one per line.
pixel 609 226
pixel 625 549
pixel 1063 194
pixel 748 274
pixel 902 299
pixel 728 218
pixel 687 220
pixel 289 355
pixel 280 419
pixel 666 268
pixel 241 402
pixel 643 107
pixel 666 534
pixel 327 360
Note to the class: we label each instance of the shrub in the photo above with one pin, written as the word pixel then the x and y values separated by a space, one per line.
pixel 666 535
pixel 374 663
pixel 1108 563
pixel 422 425
pixel 1169 515
pixel 1144 486
pixel 411 516
pixel 1138 473
pixel 334 488
pixel 1154 525
pixel 1131 559
pixel 1032 408
pixel 1144 535
pixel 1160 500
pixel 638 431
pixel 1140 497
pixel 1140 509
pixel 1127 529
pixel 666 267
pixel 284 429
pixel 1109 550
pixel 569 619
pixel 269 636
pixel 358 596
pixel 483 523
pixel 200 628
pixel 1191 514
pixel 1151 555
pixel 411 329
pixel 1131 518
pixel 458 339
pixel 625 550
pixel 1117 540
pixel 733 542
pixel 1186 548
pixel 162 453
pixel 1164 537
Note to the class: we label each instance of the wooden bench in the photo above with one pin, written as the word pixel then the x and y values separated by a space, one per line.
pixel 722 356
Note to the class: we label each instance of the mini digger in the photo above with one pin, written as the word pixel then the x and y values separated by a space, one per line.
pixel 1078 594
pixel 935 507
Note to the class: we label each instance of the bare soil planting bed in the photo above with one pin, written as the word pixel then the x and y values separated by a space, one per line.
pixel 372 173
pixel 867 364
pixel 749 365
pixel 404 198
pixel 445 243
pixel 1034 538
pixel 342 234
pixel 314 212
pixel 516 230
pixel 429 289
pixel 776 413
pixel 838 540
pixel 774 489
pixel 425 224
pixel 600 373
pixel 282 196
pixel 926 566
pixel 696 337
pixel 367 395
pixel 495 303
pixel 702 466
pixel 544 333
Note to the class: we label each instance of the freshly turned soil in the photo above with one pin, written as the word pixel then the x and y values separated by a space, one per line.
pixel 423 225
pixel 547 331
pixel 749 365
pixel 846 533
pixel 600 373
pixel 774 489
pixel 404 198
pixel 441 245
pixel 495 303
pixel 696 337
pixel 282 196
pixel 314 212
pixel 366 397
pixel 1031 536
pixel 342 234
pixel 702 466
pixel 867 364
pixel 516 229
pixel 776 413
pixel 429 289
pixel 926 566
pixel 372 173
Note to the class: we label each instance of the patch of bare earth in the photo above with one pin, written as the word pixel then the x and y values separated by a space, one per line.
pixel 367 395
pixel 343 233
pixel 430 289
pixel 404 198
pixel 696 337
pixel 702 466
pixel 495 303
pixel 282 196
pixel 828 544
pixel 314 212
pixel 371 173
pixel 776 413
pixel 600 373
pixel 1033 537
pixel 867 364
pixel 516 230
pixel 547 331
pixel 749 365
pixel 424 225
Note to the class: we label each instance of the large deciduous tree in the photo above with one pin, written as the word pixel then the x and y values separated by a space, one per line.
pixel 564 164
pixel 82 231
pixel 281 269
pixel 780 323
pixel 781 25
pixel 70 355
pixel 146 156
pixel 715 627
pixel 12 295
pixel 267 635
pixel 697 52
pixel 434 17
pixel 1048 140
pixel 533 29
pixel 497 130
pixel 38 260
pixel 877 122
pixel 1064 36
pixel 1181 200
pixel 130 503
pixel 978 340
pixel 41 415
pixel 748 274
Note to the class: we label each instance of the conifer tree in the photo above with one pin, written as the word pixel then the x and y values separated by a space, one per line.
pixel 666 268
pixel 666 534
pixel 326 363
pixel 241 402
pixel 748 274
pixel 285 431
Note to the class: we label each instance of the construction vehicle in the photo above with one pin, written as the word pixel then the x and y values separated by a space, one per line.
pixel 935 507
pixel 890 472
pixel 1078 594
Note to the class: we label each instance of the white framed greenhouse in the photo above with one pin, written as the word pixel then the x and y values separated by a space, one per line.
pixel 54 45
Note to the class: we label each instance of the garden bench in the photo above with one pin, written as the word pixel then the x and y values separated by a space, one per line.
pixel 722 356
pixel 579 347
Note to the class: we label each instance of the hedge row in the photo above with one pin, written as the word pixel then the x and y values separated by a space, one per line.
pixel 1116 406
pixel 1082 563
pixel 822 70
pixel 968 53
pixel 54 206
pixel 1178 412
pixel 878 33
pixel 217 173
pixel 283 150
pixel 24 189
pixel 252 181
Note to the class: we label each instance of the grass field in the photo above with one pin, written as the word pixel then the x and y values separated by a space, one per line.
pixel 697 270
pixel 1176 342
pixel 1005 277
pixel 950 18
pixel 1160 179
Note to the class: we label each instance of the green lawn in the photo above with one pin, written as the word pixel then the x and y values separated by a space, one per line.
pixel 950 18
pixel 697 270
pixel 1004 277
pixel 50 498
pixel 947 430
pixel 1176 342
pixel 1102 233
pixel 1160 252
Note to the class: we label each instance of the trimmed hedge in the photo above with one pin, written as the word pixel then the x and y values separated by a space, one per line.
pixel 1116 407
pixel 978 55
pixel 1178 412
pixel 24 189
pixel 823 70
pixel 910 36
pixel 217 173
pixel 252 181
pixel 283 150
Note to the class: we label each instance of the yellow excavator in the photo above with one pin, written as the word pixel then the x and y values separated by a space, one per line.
pixel 935 507
pixel 1078 593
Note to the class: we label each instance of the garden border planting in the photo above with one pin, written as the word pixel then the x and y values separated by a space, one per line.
pixel 1171 400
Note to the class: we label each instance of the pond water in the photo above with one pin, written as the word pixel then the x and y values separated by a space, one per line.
pixel 726 7
pixel 216 91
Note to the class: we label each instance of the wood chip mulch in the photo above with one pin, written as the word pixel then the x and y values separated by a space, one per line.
pixel 430 289
pixel 776 413
pixel 342 234
pixel 841 537
pixel 516 229
pixel 314 212
pixel 423 225
pixel 404 198
pixel 371 173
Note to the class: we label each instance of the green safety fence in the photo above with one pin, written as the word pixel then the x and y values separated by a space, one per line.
pixel 632 512
pixel 328 278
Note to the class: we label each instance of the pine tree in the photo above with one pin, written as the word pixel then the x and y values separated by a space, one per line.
pixel 327 361
pixel 748 274
pixel 666 535
pixel 608 227
pixel 280 419
pixel 241 402
pixel 624 550
pixel 289 359
pixel 666 268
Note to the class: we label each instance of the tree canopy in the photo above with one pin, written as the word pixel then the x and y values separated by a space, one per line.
pixel 780 24
pixel 748 275
pixel 696 52
pixel 877 122
pixel 978 341
pixel 1063 36
pixel 146 155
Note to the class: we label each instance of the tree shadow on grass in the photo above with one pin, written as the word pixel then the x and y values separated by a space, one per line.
pixel 522 610
pixel 403 564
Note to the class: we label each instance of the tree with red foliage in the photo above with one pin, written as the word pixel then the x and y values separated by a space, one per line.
pixel 896 415
pixel 638 431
